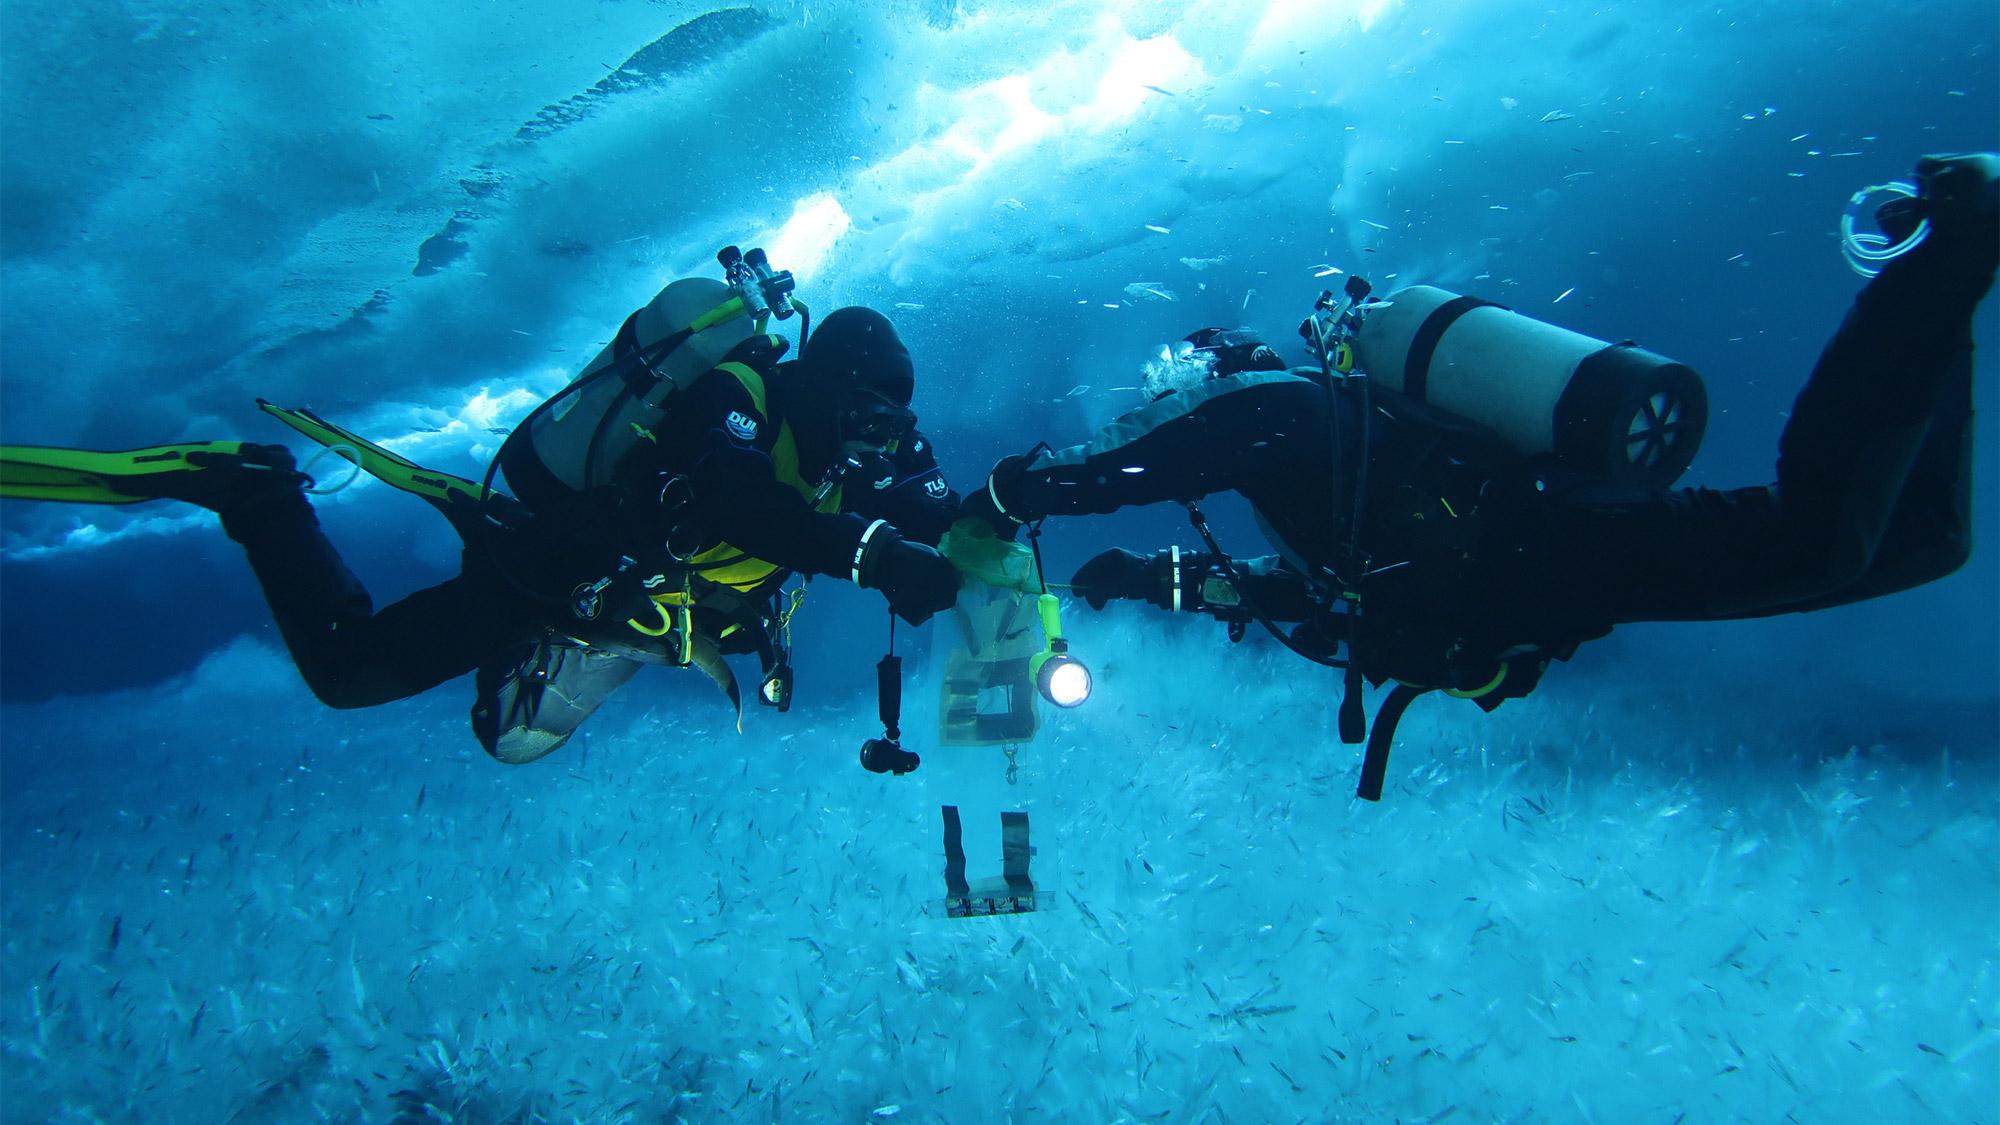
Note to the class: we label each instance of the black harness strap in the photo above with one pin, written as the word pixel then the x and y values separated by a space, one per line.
pixel 1014 853
pixel 1417 366
pixel 954 856
pixel 1353 720
pixel 636 362
pixel 1375 762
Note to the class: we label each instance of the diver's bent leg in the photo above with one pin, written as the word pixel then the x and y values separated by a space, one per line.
pixel 1929 532
pixel 348 655
pixel 1881 384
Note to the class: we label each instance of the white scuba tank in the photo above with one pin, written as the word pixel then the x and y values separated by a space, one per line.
pixel 1615 410
pixel 580 435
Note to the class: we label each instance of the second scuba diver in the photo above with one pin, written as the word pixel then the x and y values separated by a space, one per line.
pixel 660 503
pixel 1416 546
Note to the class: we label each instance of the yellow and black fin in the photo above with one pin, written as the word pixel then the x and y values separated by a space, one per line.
pixel 83 476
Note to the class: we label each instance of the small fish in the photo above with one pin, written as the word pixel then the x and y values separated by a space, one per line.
pixel 1376 225
pixel 885 1111
pixel 911 306
pixel 117 928
pixel 1157 229
pixel 1556 115
pixel 1159 90
pixel 1324 270
pixel 1565 293
pixel 421 789
pixel 1247 1012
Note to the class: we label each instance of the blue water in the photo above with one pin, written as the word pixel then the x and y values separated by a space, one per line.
pixel 1711 873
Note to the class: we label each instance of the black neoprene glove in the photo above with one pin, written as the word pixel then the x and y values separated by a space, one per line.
pixel 1001 499
pixel 1122 574
pixel 916 579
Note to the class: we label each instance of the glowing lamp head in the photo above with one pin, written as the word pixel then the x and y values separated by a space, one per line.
pixel 1062 679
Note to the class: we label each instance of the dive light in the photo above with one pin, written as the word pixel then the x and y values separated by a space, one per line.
pixel 1059 677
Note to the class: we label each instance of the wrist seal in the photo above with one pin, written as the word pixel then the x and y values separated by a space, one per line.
pixel 861 548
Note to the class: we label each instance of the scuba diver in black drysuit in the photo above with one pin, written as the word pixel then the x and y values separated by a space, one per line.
pixel 634 535
pixel 1440 559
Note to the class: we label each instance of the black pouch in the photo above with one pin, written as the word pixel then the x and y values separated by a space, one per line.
pixel 534 698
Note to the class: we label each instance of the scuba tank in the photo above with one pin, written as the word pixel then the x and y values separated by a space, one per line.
pixel 570 444
pixel 1610 410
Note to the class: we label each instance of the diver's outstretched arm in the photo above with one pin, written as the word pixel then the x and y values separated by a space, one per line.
pixel 1183 581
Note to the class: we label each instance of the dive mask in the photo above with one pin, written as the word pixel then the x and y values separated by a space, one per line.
pixel 874 420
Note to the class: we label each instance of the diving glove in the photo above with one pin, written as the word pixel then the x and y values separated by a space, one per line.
pixel 1116 574
pixel 986 502
pixel 1170 579
pixel 916 579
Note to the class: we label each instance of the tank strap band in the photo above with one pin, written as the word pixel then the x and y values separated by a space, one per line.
pixel 637 363
pixel 1417 366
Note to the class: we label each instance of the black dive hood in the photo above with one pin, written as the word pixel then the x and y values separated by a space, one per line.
pixel 856 371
